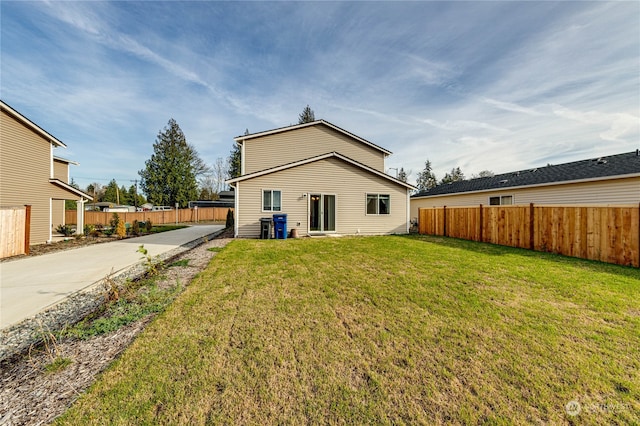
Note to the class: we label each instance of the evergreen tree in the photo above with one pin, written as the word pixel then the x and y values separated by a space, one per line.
pixel 169 176
pixel 111 192
pixel 234 168
pixel 483 173
pixel 456 175
pixel 307 116
pixel 426 178
pixel 124 197
pixel 402 175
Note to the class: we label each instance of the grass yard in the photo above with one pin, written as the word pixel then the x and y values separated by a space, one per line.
pixel 383 330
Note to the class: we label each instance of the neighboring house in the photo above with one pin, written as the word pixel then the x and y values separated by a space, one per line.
pixel 327 180
pixel 226 200
pixel 614 179
pixel 30 174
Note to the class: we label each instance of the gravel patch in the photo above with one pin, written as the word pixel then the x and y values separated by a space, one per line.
pixel 29 395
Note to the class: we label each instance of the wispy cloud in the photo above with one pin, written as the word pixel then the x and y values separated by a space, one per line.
pixel 484 85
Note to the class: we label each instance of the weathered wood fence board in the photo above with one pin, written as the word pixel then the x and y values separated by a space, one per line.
pixel 605 233
pixel 14 229
pixel 217 214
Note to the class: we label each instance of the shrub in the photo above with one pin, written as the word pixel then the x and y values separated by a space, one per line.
pixel 121 230
pixel 148 225
pixel 89 230
pixel 230 220
pixel 65 230
pixel 135 228
pixel 115 220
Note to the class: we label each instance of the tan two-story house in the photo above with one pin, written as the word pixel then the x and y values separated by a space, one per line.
pixel 30 174
pixel 327 181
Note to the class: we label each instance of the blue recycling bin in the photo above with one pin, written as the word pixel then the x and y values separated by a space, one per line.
pixel 280 226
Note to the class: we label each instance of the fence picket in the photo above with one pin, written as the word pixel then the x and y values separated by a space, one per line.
pixel 605 233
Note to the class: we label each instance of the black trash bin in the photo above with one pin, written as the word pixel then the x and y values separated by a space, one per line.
pixel 280 226
pixel 265 228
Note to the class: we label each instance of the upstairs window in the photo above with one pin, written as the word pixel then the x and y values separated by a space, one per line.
pixel 505 200
pixel 271 200
pixel 378 203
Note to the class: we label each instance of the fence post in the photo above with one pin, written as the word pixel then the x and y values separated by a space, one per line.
pixel 481 226
pixel 27 228
pixel 444 220
pixel 531 227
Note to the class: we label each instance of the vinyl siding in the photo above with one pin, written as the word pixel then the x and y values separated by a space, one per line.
pixel 57 214
pixel 61 170
pixel 25 169
pixel 349 183
pixel 612 191
pixel 287 147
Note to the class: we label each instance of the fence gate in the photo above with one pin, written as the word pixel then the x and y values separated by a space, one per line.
pixel 14 231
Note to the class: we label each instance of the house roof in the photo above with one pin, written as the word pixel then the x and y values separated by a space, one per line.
pixel 70 188
pixel 65 160
pixel 318 158
pixel 313 123
pixel 619 165
pixel 31 125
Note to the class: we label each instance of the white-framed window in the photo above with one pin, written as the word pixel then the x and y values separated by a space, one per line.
pixel 378 204
pixel 504 200
pixel 271 200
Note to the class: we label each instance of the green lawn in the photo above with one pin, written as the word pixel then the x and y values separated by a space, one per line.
pixel 383 330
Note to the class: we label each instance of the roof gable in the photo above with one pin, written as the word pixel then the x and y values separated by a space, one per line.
pixel 318 158
pixel 31 125
pixel 313 123
pixel 583 170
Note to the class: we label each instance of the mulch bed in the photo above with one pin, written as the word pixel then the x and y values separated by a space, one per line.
pixel 29 395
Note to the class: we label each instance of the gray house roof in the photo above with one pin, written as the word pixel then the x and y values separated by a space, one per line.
pixel 591 169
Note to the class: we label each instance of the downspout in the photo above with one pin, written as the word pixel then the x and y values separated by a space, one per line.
pixel 236 210
pixel 50 240
pixel 408 210
pixel 242 158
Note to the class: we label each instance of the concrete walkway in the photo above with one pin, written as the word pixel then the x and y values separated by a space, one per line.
pixel 29 285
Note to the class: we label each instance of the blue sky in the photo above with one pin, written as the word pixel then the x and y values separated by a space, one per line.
pixel 480 85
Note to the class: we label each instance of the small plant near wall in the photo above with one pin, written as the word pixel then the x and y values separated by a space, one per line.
pixel 148 225
pixel 230 220
pixel 65 230
pixel 89 230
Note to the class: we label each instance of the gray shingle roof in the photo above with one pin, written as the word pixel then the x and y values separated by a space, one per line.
pixel 613 165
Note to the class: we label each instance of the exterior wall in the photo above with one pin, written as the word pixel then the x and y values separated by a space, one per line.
pixel 294 145
pixel 612 191
pixel 57 214
pixel 25 168
pixel 349 183
pixel 61 170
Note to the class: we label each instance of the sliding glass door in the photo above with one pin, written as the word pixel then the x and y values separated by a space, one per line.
pixel 322 213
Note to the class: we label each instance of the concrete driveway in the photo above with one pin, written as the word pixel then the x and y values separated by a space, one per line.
pixel 32 284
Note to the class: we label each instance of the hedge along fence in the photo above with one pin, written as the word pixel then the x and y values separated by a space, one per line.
pixel 216 214
pixel 605 233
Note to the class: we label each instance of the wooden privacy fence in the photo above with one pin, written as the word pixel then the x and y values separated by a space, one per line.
pixel 217 214
pixel 15 227
pixel 605 233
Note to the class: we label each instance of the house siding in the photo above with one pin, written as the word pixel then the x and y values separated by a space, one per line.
pixel 274 150
pixel 349 183
pixel 61 170
pixel 25 178
pixel 611 191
